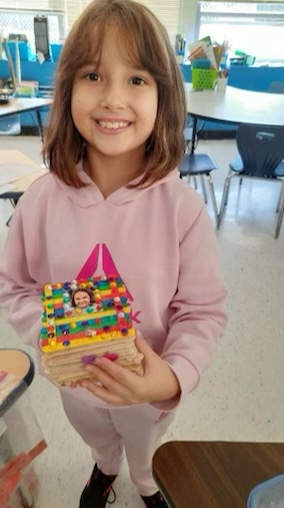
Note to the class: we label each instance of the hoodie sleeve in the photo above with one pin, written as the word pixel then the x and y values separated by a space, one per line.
pixel 19 292
pixel 199 315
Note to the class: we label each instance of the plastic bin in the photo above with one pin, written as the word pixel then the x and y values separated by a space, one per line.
pixel 203 79
pixel 269 494
pixel 24 50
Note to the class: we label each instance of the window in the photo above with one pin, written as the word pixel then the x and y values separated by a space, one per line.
pixel 17 17
pixel 254 28
pixel 23 23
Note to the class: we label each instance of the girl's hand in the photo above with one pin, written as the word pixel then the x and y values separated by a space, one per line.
pixel 118 386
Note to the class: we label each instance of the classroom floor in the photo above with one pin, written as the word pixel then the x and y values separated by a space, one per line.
pixel 241 396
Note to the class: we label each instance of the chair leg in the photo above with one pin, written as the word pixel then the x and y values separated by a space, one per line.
pixel 280 214
pixel 8 221
pixel 203 189
pixel 194 181
pixel 227 193
pixel 279 199
pixel 213 197
pixel 13 203
pixel 224 201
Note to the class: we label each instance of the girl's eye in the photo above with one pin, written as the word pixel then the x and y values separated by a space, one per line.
pixel 92 76
pixel 137 81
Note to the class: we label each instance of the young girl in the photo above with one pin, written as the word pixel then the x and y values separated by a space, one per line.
pixel 113 203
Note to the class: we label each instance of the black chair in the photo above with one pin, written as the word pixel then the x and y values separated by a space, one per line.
pixel 191 145
pixel 187 134
pixel 276 87
pixel 200 164
pixel 261 154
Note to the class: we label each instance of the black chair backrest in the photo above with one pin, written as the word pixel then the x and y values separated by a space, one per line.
pixel 261 149
pixel 276 87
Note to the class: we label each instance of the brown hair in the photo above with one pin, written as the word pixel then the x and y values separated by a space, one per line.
pixel 84 290
pixel 148 45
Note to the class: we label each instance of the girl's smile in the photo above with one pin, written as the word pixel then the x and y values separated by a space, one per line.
pixel 112 126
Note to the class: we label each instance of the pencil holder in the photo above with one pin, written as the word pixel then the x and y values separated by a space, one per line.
pixel 203 78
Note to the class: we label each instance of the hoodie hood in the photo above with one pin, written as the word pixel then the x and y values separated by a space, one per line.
pixel 90 195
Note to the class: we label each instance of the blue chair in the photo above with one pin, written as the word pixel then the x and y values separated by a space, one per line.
pixel 197 164
pixel 261 154
pixel 200 164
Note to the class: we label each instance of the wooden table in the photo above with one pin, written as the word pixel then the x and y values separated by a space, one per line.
pixel 214 474
pixel 17 172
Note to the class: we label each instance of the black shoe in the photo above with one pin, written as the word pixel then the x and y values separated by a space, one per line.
pixel 155 501
pixel 96 492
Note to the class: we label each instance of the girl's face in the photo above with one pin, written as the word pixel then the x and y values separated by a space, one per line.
pixel 114 104
pixel 82 299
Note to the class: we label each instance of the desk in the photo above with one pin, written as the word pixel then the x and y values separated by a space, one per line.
pixel 214 474
pixel 235 106
pixel 22 105
pixel 19 186
pixel 14 166
pixel 17 172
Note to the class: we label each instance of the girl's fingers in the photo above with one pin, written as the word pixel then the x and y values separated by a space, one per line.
pixel 102 393
pixel 110 378
pixel 115 371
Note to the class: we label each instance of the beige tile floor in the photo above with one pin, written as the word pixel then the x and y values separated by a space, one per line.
pixel 241 395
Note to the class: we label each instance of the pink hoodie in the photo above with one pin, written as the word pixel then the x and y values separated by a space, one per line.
pixel 159 240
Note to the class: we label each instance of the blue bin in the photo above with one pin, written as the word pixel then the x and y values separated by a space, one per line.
pixel 24 50
pixel 269 494
pixel 55 51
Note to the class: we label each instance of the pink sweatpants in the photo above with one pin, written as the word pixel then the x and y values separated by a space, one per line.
pixel 136 429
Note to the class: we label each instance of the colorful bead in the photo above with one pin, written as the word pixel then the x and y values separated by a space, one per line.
pixel 88 359
pixel 91 333
pixel 110 356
